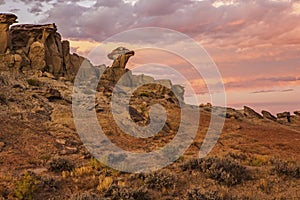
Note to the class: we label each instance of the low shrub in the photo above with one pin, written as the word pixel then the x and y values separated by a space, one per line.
pixel 116 193
pixel 26 186
pixel 60 165
pixel 158 180
pixel 284 168
pixel 85 196
pixel 34 82
pixel 223 170
pixel 197 194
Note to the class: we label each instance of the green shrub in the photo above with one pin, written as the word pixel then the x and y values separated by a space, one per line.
pixel 34 82
pixel 26 186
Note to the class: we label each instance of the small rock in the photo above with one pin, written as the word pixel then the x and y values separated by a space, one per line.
pixel 2 145
pixel 60 141
pixel 48 75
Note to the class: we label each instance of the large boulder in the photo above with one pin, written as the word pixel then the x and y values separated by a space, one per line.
pixel 268 115
pixel 250 113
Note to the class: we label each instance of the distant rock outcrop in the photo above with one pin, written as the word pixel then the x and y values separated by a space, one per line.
pixel 268 115
pixel 297 113
pixel 284 116
pixel 250 113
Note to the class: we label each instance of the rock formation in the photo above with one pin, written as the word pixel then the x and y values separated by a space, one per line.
pixel 41 49
pixel 268 115
pixel 250 113
pixel 297 113
pixel 5 21
pixel 112 75
pixel 35 48
pixel 38 50
pixel 284 116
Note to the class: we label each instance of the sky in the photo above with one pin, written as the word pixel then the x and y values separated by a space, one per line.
pixel 254 43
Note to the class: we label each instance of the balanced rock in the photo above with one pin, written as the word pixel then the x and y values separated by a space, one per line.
pixel 268 115
pixel 250 113
pixel 122 59
pixel 117 52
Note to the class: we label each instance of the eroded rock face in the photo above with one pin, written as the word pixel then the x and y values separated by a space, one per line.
pixel 268 115
pixel 250 113
pixel 5 21
pixel 41 48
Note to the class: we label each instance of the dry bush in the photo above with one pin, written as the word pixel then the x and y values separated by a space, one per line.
pixel 116 193
pixel 158 180
pixel 285 168
pixel 104 183
pixel 60 165
pixel 224 170
pixel 85 196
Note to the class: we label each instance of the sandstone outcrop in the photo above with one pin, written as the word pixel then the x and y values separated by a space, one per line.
pixel 42 49
pixel 268 115
pixel 5 21
pixel 250 113
pixel 297 113
pixel 32 49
